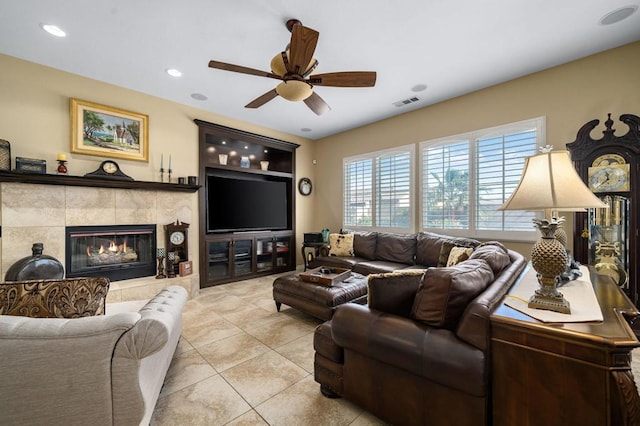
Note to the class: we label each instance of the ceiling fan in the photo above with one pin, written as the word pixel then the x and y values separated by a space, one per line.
pixel 294 66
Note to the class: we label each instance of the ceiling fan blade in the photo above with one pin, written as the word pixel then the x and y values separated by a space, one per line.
pixel 243 70
pixel 262 99
pixel 317 104
pixel 303 44
pixel 344 79
pixel 311 68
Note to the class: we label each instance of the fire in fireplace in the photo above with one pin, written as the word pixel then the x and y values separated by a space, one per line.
pixel 118 252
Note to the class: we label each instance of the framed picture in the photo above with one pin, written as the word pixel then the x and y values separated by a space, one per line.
pixel 105 131
pixel 185 268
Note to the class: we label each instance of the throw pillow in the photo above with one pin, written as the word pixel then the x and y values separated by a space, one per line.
pixel 393 292
pixel 494 253
pixel 444 293
pixel 445 251
pixel 341 244
pixel 458 254
pixel 64 298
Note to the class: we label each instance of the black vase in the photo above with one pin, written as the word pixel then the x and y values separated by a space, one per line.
pixel 36 267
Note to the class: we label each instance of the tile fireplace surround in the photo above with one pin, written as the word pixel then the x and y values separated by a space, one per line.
pixel 39 213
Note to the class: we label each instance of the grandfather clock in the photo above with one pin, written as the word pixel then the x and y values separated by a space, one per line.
pixel 176 240
pixel 608 238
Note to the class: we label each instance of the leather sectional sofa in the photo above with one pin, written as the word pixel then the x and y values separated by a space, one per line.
pixel 419 353
pixel 377 252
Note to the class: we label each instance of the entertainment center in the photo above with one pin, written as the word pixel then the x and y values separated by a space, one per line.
pixel 247 205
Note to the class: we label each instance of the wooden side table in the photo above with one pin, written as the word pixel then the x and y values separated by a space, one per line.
pixel 314 252
pixel 566 373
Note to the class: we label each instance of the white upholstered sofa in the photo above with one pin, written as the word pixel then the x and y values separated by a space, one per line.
pixel 97 370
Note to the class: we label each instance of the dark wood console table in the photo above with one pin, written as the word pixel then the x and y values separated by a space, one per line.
pixel 566 373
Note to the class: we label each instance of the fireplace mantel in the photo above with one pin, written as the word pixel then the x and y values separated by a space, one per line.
pixel 49 179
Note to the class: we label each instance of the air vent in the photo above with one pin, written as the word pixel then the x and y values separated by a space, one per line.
pixel 406 102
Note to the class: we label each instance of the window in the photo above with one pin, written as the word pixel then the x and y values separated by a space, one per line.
pixel 378 190
pixel 465 178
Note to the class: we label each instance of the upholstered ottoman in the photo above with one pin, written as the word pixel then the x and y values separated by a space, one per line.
pixel 316 299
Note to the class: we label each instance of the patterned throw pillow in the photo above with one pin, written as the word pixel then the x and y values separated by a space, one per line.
pixel 64 298
pixel 341 245
pixel 458 254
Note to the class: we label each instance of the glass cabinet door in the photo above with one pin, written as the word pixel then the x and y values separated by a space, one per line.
pixel 264 254
pixel 283 252
pixel 242 257
pixel 218 260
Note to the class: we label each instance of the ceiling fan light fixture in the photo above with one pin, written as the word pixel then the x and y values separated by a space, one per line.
pixel 278 67
pixel 294 90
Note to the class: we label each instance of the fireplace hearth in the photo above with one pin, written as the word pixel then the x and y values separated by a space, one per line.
pixel 119 252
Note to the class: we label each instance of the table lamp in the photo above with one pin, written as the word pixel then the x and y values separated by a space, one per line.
pixel 550 183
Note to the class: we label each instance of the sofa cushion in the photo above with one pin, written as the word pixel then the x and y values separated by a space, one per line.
pixel 347 262
pixel 394 292
pixel 341 245
pixel 63 298
pixel 364 244
pixel 458 254
pixel 367 267
pixel 444 293
pixel 494 253
pixel 399 248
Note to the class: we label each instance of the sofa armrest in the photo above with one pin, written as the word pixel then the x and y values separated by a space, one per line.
pixel 433 353
pixel 160 317
pixel 143 356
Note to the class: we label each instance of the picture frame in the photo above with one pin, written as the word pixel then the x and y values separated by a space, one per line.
pixel 106 131
pixel 185 268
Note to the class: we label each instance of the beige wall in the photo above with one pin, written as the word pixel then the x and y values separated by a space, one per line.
pixel 568 95
pixel 34 118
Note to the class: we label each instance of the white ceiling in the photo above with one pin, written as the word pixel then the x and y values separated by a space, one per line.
pixel 452 47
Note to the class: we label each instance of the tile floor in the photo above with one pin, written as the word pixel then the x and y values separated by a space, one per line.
pixel 240 362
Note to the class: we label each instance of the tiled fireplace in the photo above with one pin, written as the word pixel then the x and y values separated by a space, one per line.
pixel 42 213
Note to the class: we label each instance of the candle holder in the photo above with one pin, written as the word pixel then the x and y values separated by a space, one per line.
pixel 62 168
pixel 160 257
pixel 171 257
pixel 161 174
pixel 169 181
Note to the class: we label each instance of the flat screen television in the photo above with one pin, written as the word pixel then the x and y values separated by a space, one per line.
pixel 241 204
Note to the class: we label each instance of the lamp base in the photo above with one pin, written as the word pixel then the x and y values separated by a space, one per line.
pixel 549 302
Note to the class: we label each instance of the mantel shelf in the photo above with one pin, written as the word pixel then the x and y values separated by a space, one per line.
pixel 48 179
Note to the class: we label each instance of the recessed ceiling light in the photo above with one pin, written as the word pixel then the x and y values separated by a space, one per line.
pixel 199 97
pixel 174 72
pixel 53 30
pixel 419 88
pixel 618 15
pixel 305 129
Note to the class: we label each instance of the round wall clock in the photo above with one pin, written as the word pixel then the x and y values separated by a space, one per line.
pixel 304 186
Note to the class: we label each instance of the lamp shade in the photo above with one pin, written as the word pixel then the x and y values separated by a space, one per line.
pixel 550 182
